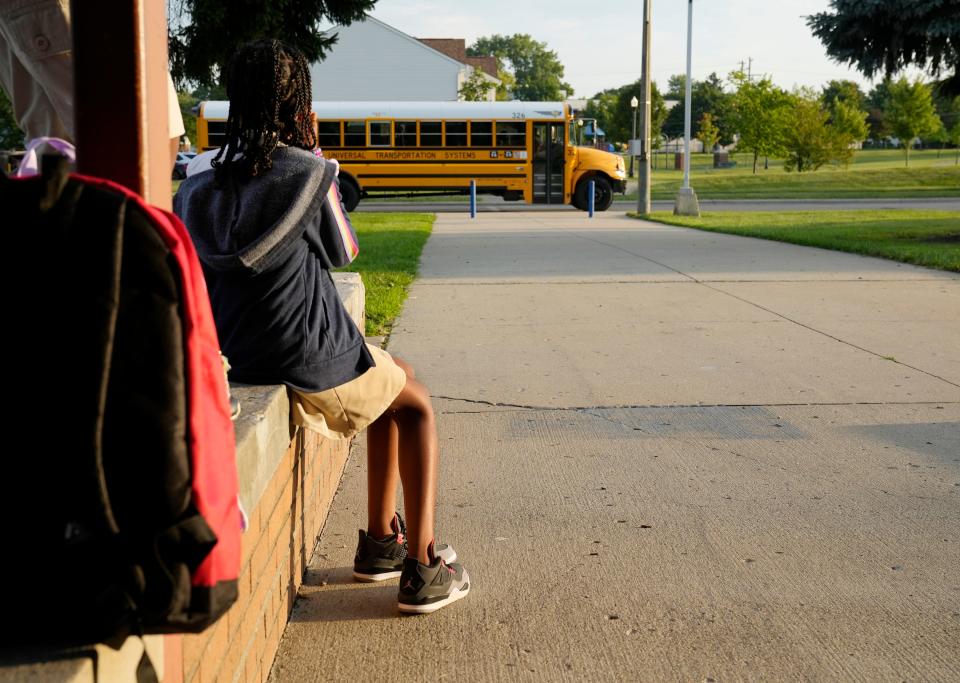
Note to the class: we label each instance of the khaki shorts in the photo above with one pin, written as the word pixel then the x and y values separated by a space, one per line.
pixel 343 411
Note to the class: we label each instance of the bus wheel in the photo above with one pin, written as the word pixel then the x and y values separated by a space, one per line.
pixel 602 194
pixel 349 194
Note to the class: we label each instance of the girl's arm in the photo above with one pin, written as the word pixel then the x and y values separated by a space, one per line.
pixel 331 235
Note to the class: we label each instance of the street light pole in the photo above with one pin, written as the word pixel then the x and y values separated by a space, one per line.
pixel 633 105
pixel 643 182
pixel 686 203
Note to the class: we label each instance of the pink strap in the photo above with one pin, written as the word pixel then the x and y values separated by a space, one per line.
pixel 29 166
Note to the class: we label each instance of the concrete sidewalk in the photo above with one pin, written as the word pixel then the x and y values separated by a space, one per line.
pixel 666 455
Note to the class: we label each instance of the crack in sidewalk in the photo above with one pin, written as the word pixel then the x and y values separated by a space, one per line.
pixel 768 310
pixel 829 336
pixel 661 406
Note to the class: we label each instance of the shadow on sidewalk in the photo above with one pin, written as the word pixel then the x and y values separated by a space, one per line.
pixel 939 441
pixel 333 596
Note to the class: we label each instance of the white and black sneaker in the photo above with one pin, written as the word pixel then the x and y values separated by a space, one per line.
pixel 380 559
pixel 426 588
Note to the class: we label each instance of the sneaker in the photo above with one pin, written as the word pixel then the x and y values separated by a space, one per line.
pixel 382 559
pixel 426 588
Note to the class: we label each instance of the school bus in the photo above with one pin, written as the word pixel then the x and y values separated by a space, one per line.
pixel 521 151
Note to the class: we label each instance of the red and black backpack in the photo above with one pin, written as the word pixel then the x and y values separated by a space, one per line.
pixel 124 488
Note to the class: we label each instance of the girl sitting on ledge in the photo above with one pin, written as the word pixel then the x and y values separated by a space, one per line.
pixel 265 222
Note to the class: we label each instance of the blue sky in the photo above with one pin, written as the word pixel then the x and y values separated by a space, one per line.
pixel 599 42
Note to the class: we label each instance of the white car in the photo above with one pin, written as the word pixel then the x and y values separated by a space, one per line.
pixel 180 166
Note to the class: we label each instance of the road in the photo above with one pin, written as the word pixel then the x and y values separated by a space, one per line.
pixel 495 204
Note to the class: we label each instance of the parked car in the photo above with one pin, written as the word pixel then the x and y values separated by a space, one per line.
pixel 180 167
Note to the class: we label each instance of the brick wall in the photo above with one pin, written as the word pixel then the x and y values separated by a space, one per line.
pixel 276 549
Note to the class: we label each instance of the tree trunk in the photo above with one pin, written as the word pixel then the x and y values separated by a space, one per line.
pixel 906 155
pixel 756 155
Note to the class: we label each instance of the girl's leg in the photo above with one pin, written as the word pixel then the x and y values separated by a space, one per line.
pixel 416 447
pixel 382 475
pixel 415 413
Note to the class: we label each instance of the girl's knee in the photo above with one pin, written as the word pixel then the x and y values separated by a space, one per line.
pixel 413 402
pixel 406 367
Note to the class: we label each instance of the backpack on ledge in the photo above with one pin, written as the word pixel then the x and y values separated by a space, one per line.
pixel 122 489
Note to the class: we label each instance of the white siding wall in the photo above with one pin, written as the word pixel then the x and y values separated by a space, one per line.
pixel 370 61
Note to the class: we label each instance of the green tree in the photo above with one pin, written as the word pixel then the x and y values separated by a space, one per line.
pixel 187 102
pixel 536 70
pixel 203 34
pixel 885 36
pixel 507 81
pixel 760 116
pixel 707 95
pixel 677 86
pixel 948 109
pixel 844 91
pixel 807 137
pixel 848 126
pixel 11 137
pixel 601 108
pixel 708 133
pixel 611 108
pixel 911 113
pixel 877 102
pixel 953 136
pixel 475 88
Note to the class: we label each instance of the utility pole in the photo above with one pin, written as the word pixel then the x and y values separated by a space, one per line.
pixel 749 68
pixel 643 182
pixel 686 203
pixel 634 103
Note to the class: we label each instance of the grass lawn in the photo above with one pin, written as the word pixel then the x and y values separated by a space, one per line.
pixel 924 238
pixel 873 173
pixel 864 159
pixel 882 183
pixel 390 246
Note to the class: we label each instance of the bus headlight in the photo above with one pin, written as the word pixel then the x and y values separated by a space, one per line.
pixel 620 173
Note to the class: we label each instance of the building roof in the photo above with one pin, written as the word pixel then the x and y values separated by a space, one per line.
pixel 486 64
pixel 456 48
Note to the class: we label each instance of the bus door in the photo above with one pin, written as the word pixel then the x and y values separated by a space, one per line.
pixel 548 149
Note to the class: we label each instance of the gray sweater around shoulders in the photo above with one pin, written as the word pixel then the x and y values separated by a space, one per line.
pixel 277 311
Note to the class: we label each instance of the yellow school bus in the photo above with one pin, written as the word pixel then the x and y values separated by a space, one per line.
pixel 521 151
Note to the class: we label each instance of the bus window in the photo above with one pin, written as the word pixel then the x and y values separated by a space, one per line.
pixel 354 134
pixel 511 134
pixel 379 133
pixel 216 133
pixel 405 133
pixel 456 133
pixel 481 134
pixel 329 133
pixel 430 134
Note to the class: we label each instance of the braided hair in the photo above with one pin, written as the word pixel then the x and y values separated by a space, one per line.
pixel 270 103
